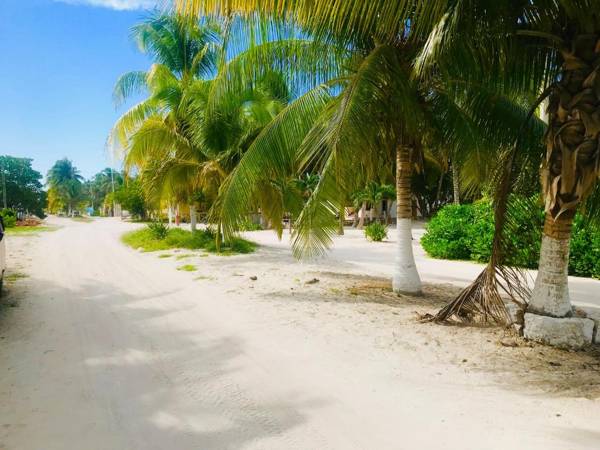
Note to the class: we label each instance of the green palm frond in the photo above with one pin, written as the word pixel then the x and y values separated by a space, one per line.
pixel 129 84
pixel 272 155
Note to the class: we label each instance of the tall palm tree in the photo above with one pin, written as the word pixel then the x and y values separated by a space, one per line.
pixel 158 134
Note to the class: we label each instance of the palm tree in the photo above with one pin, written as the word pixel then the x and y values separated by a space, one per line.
pixel 366 98
pixel 552 48
pixel 65 180
pixel 179 150
pixel 158 134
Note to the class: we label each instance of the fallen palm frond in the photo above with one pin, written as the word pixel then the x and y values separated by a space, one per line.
pixel 483 301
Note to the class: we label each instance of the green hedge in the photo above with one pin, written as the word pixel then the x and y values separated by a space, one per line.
pixel 466 232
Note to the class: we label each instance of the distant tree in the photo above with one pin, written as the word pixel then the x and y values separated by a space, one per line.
pixel 131 197
pixel 65 185
pixel 21 185
pixel 100 186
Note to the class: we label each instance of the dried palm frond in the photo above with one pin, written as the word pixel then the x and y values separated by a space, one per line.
pixel 483 301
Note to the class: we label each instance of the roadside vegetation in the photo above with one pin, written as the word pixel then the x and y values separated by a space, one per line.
pixel 466 232
pixel 149 240
pixel 24 231
pixel 261 114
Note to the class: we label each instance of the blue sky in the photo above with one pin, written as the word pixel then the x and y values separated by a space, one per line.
pixel 59 60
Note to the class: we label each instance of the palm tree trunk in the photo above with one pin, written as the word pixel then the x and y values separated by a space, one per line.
pixel 455 184
pixel 570 168
pixel 193 218
pixel 438 194
pixel 406 278
pixel 342 214
pixel 362 212
pixel 550 295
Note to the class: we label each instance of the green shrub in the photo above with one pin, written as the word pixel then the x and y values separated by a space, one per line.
pixel 376 232
pixel 9 216
pixel 158 230
pixel 584 256
pixel 149 240
pixel 449 233
pixel 467 231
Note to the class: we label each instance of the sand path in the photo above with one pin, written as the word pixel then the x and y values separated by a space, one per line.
pixel 109 348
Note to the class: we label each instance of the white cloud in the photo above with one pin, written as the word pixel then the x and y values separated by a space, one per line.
pixel 120 5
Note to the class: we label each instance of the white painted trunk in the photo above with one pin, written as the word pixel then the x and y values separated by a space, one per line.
pixel 193 217
pixel 550 296
pixel 170 215
pixel 361 215
pixel 406 279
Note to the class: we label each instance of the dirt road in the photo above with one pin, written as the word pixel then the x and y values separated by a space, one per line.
pixel 109 348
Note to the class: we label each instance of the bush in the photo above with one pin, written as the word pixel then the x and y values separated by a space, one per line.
pixel 449 233
pixel 148 240
pixel 584 258
pixel 376 232
pixel 467 231
pixel 9 217
pixel 158 230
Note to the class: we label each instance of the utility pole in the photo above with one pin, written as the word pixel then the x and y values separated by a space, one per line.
pixel 3 185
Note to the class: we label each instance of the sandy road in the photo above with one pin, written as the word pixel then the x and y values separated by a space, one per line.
pixel 113 349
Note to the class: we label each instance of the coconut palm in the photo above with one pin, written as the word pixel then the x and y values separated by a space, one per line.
pixel 65 182
pixel 549 50
pixel 178 149
pixel 158 134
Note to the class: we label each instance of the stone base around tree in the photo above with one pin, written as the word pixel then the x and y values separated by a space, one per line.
pixel 571 333
pixel 593 314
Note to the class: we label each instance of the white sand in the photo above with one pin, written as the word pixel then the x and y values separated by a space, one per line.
pixel 109 348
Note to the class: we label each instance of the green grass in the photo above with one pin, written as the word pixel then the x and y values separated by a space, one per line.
pixel 12 277
pixel 188 268
pixel 187 255
pixel 178 238
pixel 29 230
pixel 165 255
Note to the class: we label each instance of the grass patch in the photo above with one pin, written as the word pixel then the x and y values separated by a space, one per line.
pixel 146 240
pixel 187 268
pixel 12 277
pixel 20 231
pixel 187 255
pixel 165 255
pixel 203 277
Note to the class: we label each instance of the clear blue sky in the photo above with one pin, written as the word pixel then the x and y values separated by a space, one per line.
pixel 59 60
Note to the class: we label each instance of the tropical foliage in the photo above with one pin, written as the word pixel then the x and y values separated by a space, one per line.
pixel 467 231
pixel 21 185
pixel 65 187
pixel 297 109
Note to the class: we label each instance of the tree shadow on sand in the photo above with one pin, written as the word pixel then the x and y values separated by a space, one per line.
pixel 136 373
